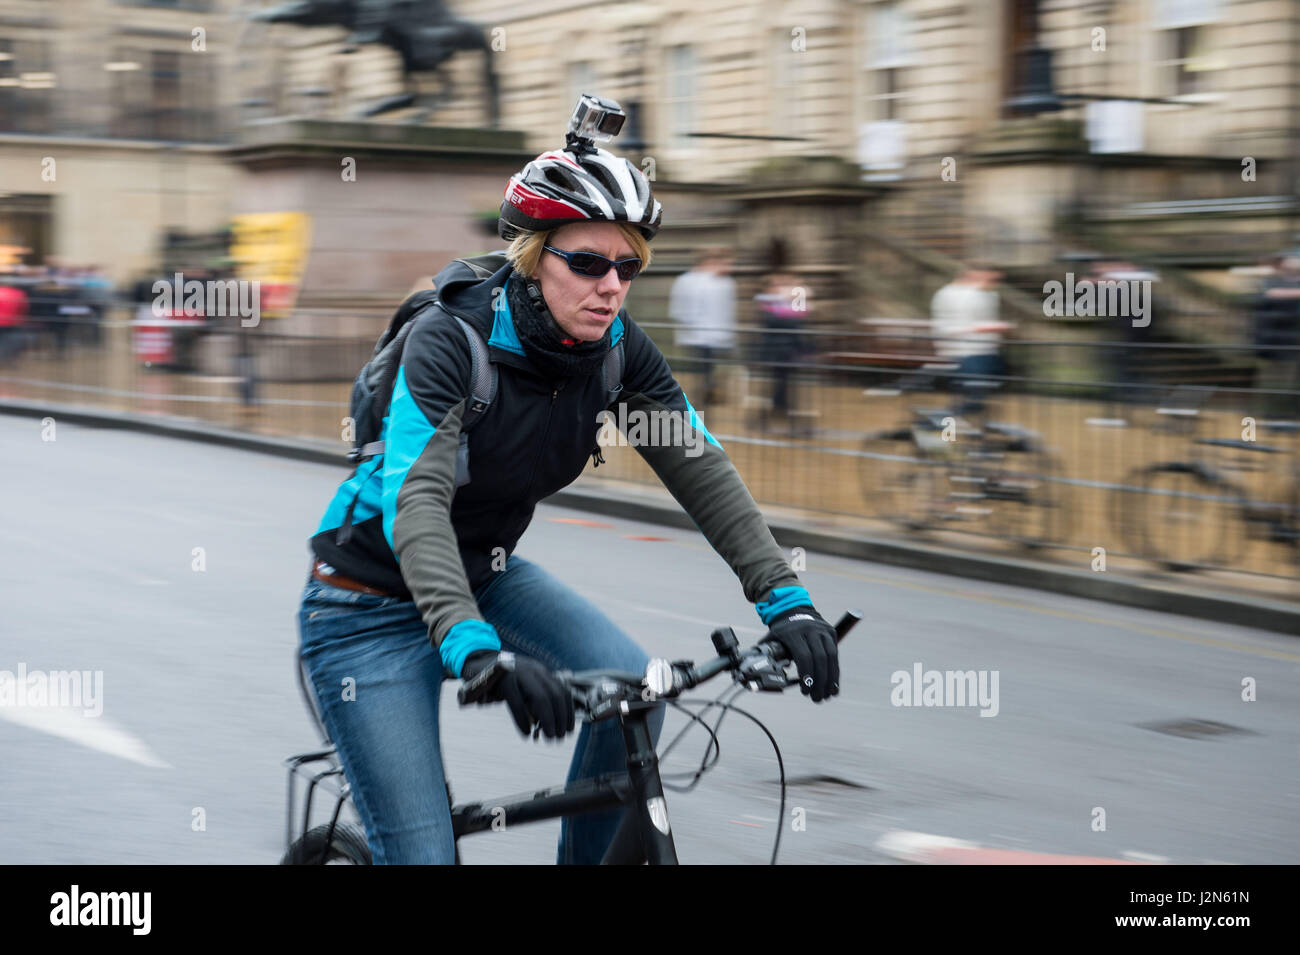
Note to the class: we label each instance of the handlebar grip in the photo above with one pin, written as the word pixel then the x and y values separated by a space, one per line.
pixel 846 623
pixel 842 627
pixel 476 690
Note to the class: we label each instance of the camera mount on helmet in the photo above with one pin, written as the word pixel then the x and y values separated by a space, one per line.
pixel 594 118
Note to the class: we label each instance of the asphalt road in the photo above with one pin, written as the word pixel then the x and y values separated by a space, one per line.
pixel 200 705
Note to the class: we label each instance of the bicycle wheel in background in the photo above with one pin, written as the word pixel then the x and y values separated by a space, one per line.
pixel 1033 507
pixel 892 473
pixel 1182 516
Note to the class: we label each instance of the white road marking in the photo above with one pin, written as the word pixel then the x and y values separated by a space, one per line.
pixel 1133 856
pixel 95 732
pixel 916 846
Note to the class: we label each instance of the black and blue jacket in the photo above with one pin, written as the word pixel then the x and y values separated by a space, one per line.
pixel 424 529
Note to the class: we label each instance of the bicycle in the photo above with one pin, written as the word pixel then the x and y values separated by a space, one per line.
pixel 644 835
pixel 1193 513
pixel 940 467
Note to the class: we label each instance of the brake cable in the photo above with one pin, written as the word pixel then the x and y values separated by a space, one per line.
pixel 705 764
pixel 715 745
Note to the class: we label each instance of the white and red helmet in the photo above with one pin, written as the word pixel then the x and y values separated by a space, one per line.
pixel 559 187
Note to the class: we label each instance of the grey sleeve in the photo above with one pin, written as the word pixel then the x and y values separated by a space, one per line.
pixel 421 435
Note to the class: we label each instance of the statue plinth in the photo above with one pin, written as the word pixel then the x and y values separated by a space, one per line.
pixel 389 205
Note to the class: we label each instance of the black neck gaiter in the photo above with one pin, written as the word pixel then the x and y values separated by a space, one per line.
pixel 541 338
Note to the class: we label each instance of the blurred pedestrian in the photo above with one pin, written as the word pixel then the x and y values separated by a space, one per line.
pixel 45 308
pixel 1130 364
pixel 97 289
pixel 13 316
pixel 703 304
pixel 968 330
pixel 1276 332
pixel 782 312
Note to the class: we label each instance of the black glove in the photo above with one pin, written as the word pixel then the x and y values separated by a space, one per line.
pixel 530 690
pixel 810 643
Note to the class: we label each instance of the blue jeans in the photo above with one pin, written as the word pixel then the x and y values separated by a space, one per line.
pixel 387 733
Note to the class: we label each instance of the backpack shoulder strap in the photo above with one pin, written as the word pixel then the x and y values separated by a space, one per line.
pixel 404 315
pixel 613 371
pixel 483 376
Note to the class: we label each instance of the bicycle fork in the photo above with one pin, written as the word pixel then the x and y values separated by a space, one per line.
pixel 645 833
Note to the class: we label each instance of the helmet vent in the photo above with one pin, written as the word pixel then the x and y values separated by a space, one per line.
pixel 559 177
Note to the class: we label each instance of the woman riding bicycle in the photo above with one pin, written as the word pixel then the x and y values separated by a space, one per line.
pixel 414 578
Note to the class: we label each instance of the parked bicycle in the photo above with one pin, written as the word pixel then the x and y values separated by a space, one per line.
pixel 941 468
pixel 644 834
pixel 1201 510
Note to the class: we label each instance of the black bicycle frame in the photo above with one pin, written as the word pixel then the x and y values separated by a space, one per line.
pixel 644 834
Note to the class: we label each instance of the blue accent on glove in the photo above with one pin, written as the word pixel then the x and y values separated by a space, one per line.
pixel 780 601
pixel 464 638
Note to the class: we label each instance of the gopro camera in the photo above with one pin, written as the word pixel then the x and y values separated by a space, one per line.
pixel 594 118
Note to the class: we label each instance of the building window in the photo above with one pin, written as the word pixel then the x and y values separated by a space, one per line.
pixel 888 53
pixel 887 93
pixel 26 228
pixel 28 87
pixel 166 107
pixel 679 101
pixel 153 98
pixel 791 98
pixel 1185 64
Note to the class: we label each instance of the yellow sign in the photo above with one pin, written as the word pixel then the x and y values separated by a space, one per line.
pixel 271 248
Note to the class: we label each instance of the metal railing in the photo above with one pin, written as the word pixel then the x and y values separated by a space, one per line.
pixel 1133 451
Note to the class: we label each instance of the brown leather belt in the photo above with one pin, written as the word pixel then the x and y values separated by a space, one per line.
pixel 335 579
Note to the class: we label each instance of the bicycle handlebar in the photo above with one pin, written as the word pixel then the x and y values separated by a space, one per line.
pixel 601 693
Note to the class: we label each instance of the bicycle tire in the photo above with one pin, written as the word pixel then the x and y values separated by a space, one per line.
pixel 1039 518
pixel 890 472
pixel 1181 516
pixel 348 847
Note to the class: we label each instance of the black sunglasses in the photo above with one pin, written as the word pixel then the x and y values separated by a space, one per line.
pixel 593 266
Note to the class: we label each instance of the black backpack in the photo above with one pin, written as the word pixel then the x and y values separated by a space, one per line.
pixel 373 388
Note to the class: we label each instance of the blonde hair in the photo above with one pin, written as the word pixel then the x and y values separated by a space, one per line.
pixel 526 249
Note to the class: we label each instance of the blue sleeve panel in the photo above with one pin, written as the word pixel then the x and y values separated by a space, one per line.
pixel 406 433
pixel 698 423
pixel 464 638
pixel 781 601
pixel 360 487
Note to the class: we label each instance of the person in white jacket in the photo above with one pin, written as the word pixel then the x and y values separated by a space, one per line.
pixel 703 304
pixel 966 326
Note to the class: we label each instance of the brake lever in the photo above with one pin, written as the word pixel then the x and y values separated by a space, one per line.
pixel 761 672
